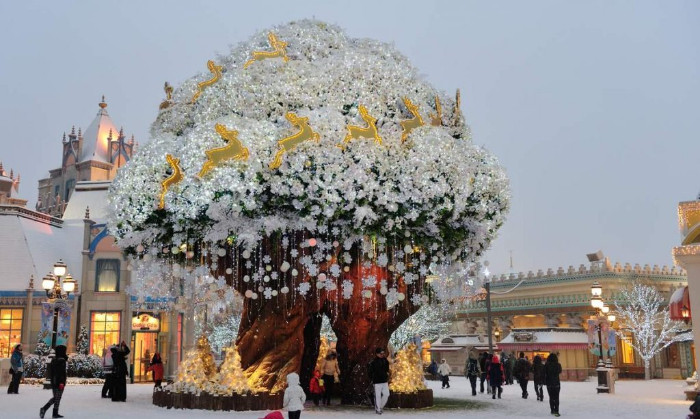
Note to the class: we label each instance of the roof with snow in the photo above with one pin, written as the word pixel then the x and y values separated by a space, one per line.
pixel 91 195
pixel 31 242
pixel 458 342
pixel 95 138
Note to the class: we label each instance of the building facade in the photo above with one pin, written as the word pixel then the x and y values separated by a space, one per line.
pixel 544 312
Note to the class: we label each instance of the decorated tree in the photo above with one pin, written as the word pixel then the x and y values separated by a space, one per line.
pixel 197 371
pixel 428 323
pixel 83 344
pixel 407 371
pixel 317 175
pixel 231 378
pixel 641 310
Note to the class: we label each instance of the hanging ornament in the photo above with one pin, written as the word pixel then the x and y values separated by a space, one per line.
pixel 279 49
pixel 409 125
pixel 357 132
pixel 234 149
pixel 290 143
pixel 436 118
pixel 216 71
pixel 173 179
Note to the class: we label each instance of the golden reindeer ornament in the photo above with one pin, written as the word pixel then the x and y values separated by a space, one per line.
pixel 290 143
pixel 173 179
pixel 436 118
pixel 213 69
pixel 370 131
pixel 279 49
pixel 168 97
pixel 233 149
pixel 409 125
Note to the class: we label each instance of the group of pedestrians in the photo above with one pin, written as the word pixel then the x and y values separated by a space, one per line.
pixel 322 383
pixel 115 372
pixel 488 368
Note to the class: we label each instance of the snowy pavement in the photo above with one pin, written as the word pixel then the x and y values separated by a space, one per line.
pixel 633 399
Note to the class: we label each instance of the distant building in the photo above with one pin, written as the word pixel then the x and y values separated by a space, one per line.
pixel 549 312
pixel 91 156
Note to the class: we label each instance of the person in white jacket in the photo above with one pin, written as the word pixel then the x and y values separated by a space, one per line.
pixel 444 371
pixel 294 396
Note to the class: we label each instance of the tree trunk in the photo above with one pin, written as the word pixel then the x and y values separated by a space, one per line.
pixel 362 325
pixel 647 369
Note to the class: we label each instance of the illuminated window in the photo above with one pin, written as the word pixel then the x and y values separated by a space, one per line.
pixel 104 330
pixel 107 276
pixel 627 350
pixel 10 330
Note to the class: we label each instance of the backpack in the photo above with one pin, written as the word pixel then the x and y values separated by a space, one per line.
pixel 473 367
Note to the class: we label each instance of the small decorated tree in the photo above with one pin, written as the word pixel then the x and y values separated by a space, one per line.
pixel 640 310
pixel 231 378
pixel 197 370
pixel 407 371
pixel 83 344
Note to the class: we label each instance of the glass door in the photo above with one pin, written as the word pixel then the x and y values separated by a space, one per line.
pixel 144 346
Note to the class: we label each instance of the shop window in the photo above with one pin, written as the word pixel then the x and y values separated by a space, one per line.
pixel 104 330
pixel 10 330
pixel 107 276
pixel 626 350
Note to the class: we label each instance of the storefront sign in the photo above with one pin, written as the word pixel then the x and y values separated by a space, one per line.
pixel 145 323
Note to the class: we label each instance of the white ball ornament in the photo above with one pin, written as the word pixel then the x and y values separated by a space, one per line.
pixel 295 272
pixel 274 293
pixel 319 285
pixel 367 293
pixel 261 288
pixel 139 248
pixel 266 278
pixel 268 268
pixel 383 291
pixel 322 276
pixel 246 254
pixel 249 294
pixel 284 290
pixel 408 249
pixel 401 296
pixel 246 278
pixel 229 271
pixel 285 266
pixel 254 296
pixel 175 250
pixel 221 252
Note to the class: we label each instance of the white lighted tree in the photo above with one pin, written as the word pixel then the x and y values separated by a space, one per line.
pixel 641 310
pixel 429 322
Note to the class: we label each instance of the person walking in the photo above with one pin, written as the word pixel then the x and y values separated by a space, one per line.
pixel 521 371
pixel 496 376
pixel 57 372
pixel 538 377
pixel 107 369
pixel 432 369
pixel 444 371
pixel 510 368
pixel 294 396
pixel 16 369
pixel 552 369
pixel 121 371
pixel 330 375
pixel 379 374
pixel 156 367
pixel 483 366
pixel 471 370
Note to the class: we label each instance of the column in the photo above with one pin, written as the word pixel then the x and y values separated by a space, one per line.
pixel 27 317
pixel 690 261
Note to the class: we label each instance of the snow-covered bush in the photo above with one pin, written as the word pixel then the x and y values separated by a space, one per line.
pixel 34 366
pixel 86 366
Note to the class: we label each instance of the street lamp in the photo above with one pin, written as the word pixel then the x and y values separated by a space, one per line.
pixel 487 286
pixel 57 292
pixel 685 314
pixel 605 384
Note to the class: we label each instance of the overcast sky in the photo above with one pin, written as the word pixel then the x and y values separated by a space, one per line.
pixel 592 107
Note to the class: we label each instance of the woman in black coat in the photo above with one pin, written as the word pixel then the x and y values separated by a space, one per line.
pixel 57 372
pixel 538 377
pixel 496 376
pixel 552 369
pixel 120 372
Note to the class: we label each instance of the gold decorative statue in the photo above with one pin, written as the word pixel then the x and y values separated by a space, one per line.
pixel 436 118
pixel 290 143
pixel 409 125
pixel 370 131
pixel 233 149
pixel 213 69
pixel 173 179
pixel 168 96
pixel 279 49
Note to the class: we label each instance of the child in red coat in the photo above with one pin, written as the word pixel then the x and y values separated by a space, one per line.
pixel 157 368
pixel 316 387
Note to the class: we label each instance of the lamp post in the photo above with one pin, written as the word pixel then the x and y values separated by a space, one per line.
pixel 57 293
pixel 605 383
pixel 487 287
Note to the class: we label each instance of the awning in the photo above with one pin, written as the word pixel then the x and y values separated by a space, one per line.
pixel 446 349
pixel 679 299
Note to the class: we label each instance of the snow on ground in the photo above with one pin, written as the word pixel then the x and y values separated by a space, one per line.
pixel 633 399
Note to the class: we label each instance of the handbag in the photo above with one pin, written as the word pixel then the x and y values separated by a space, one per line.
pixel 320 382
pixel 336 379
